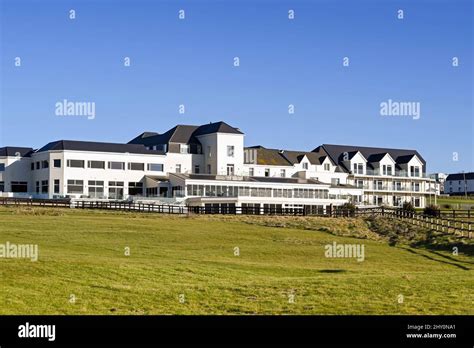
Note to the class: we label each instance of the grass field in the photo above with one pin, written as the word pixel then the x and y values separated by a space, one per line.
pixel 455 202
pixel 187 265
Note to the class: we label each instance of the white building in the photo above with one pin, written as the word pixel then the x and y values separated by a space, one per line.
pixel 459 184
pixel 208 166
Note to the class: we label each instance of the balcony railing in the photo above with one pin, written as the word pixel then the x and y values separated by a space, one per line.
pixel 397 173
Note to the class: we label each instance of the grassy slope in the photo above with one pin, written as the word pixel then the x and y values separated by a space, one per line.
pixel 82 253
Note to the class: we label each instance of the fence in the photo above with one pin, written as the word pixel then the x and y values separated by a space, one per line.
pixel 35 202
pixel 449 223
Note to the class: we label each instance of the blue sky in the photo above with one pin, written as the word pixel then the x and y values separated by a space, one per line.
pixel 282 62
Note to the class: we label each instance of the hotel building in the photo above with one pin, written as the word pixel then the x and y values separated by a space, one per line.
pixel 209 166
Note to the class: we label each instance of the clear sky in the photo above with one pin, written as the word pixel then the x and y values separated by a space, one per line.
pixel 282 62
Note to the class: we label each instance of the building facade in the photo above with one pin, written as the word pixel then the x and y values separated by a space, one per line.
pixel 460 184
pixel 209 166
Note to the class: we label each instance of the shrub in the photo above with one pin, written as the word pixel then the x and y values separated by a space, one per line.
pixel 348 208
pixel 447 206
pixel 407 206
pixel 431 210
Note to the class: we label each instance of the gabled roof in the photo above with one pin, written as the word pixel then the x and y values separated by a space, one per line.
pixel 14 151
pixel 405 159
pixel 374 158
pixel 96 147
pixel 183 134
pixel 336 153
pixel 460 176
pixel 216 127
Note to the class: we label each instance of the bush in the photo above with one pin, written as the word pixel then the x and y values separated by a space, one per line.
pixel 407 206
pixel 447 206
pixel 431 210
pixel 348 208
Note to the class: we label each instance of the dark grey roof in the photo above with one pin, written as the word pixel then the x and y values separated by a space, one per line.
pixel 376 157
pixel 96 147
pixel 336 153
pixel 460 176
pixel 216 127
pixel 404 159
pixel 183 134
pixel 14 151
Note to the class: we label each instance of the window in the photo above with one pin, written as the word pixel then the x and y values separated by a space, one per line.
pixel 417 202
pixel 37 187
pixel 183 148
pixel 358 168
pixel 360 183
pixel 155 167
pixel 414 171
pixel 117 165
pixel 196 169
pixel 96 164
pixel 209 169
pixel 57 163
pixel 209 152
pixel 160 147
pixel 96 189
pixel 136 166
pixel 75 163
pixel 75 186
pixel 378 185
pixel 387 169
pixel 282 173
pixel 33 166
pixel 38 165
pixel 56 186
pixel 44 164
pixel 251 172
pixel 230 150
pixel 178 168
pixel 135 188
pixel 44 186
pixel 19 186
pixel 267 171
pixel 116 189
pixel 305 165
pixel 2 167
pixel 335 181
pixel 327 167
pixel 2 186
pixel 230 169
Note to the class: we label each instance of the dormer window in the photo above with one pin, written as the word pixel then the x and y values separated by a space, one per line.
pixel 414 171
pixel 327 167
pixel 358 168
pixel 184 148
pixel 387 169
pixel 305 165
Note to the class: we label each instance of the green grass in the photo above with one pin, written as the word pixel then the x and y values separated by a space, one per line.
pixel 82 253
pixel 455 202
